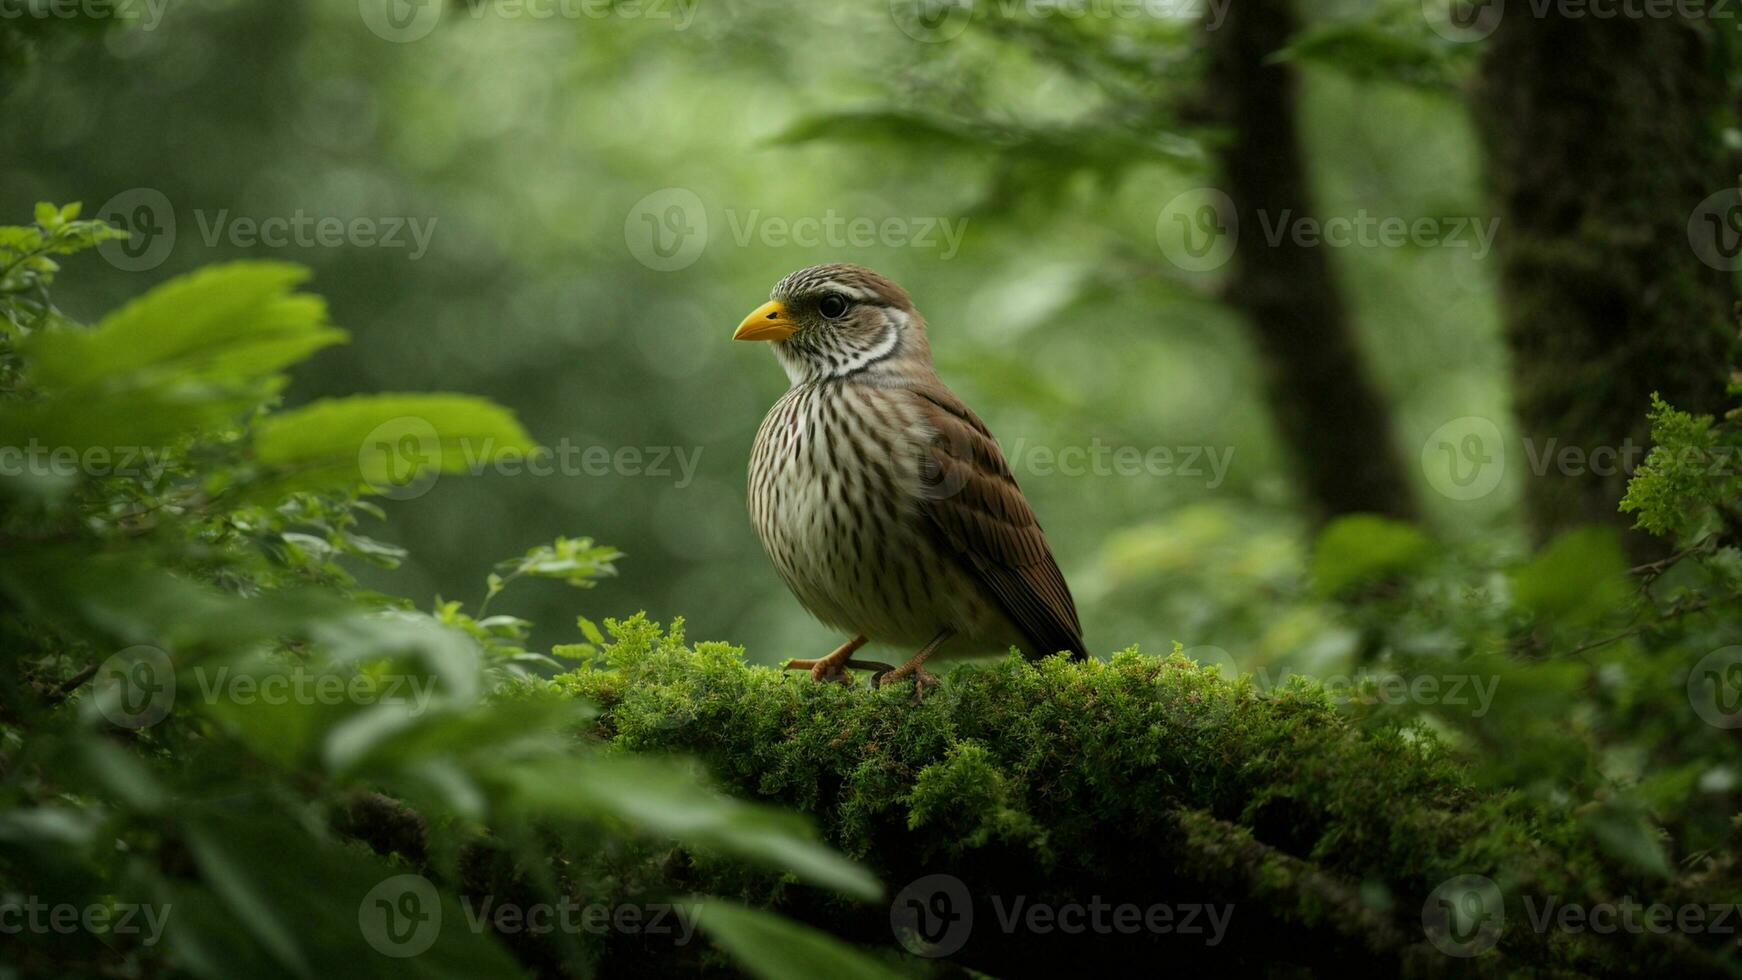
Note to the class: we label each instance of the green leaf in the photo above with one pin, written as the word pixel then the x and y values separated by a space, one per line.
pixel 1625 833
pixel 383 442
pixel 774 948
pixel 196 353
pixel 1577 577
pixel 668 800
pixel 577 561
pixel 228 324
pixel 590 630
pixel 1364 547
pixel 310 915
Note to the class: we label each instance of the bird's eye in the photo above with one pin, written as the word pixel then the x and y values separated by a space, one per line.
pixel 833 306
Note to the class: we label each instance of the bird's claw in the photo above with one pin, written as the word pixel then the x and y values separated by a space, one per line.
pixel 838 669
pixel 923 681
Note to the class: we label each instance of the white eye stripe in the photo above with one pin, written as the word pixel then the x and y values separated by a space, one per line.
pixel 851 292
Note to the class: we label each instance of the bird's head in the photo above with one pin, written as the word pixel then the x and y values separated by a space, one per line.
pixel 831 321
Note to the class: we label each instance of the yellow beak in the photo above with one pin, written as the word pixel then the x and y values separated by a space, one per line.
pixel 766 322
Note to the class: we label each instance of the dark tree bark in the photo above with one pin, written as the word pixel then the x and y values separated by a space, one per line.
pixel 1602 140
pixel 1326 407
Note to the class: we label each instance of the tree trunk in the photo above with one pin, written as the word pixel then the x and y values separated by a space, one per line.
pixel 1326 408
pixel 1602 142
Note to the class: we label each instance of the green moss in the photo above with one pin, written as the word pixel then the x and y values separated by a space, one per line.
pixel 1138 776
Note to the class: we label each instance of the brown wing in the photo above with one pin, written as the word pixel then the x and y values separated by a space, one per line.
pixel 974 502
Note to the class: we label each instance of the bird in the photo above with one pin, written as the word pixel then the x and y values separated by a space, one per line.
pixel 883 501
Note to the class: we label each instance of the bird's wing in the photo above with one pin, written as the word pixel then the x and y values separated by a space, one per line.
pixel 972 499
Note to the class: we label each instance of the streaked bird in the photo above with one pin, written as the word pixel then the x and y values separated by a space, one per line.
pixel 883 501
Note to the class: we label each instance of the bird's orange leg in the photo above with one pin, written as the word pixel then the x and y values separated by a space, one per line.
pixel 923 680
pixel 834 667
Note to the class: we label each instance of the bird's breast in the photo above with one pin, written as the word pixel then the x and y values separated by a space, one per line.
pixel 833 493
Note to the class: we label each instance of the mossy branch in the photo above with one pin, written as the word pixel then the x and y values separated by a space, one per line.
pixel 1136 780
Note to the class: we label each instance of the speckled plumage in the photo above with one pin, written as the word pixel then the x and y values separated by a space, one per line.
pixel 882 500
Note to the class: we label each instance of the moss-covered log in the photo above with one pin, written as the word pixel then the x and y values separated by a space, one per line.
pixel 1316 835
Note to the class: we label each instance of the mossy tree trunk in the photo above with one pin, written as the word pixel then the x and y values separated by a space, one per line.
pixel 1326 407
pixel 1602 140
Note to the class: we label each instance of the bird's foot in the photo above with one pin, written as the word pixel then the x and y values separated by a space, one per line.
pixel 837 666
pixel 840 671
pixel 923 680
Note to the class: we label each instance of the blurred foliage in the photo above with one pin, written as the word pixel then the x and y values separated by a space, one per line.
pixel 1474 708
pixel 528 142
pixel 222 771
